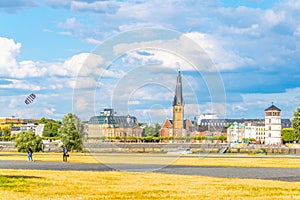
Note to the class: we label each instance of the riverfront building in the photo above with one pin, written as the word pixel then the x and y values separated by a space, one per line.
pixel 108 124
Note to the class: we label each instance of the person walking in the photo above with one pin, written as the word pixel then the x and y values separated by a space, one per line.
pixel 65 154
pixel 30 154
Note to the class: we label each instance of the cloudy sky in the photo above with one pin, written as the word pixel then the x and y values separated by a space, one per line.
pixel 235 57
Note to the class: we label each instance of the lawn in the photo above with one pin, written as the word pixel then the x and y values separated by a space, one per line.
pixel 38 184
pixel 227 160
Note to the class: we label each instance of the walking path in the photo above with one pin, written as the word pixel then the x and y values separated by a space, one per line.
pixel 282 174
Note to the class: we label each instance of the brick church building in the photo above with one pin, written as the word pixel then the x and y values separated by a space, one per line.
pixel 178 126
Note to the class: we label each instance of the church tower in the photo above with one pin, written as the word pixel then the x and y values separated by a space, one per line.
pixel 178 109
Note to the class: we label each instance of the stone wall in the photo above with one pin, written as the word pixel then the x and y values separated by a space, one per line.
pixel 8 146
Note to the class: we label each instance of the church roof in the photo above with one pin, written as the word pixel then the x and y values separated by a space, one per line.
pixel 272 107
pixel 121 121
pixel 178 99
pixel 184 123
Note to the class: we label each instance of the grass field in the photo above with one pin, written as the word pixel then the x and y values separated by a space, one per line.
pixel 191 160
pixel 46 184
pixel 33 184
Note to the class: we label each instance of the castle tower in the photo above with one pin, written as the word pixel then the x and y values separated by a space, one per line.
pixel 178 109
pixel 272 126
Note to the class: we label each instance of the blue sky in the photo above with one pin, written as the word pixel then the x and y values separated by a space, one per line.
pixel 83 55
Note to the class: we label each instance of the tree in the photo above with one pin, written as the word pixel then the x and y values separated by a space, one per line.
pixel 296 124
pixel 5 131
pixel 288 134
pixel 47 130
pixel 26 139
pixel 152 130
pixel 50 128
pixel 54 129
pixel 71 132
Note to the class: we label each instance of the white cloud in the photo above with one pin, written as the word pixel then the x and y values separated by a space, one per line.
pixel 253 30
pixel 157 56
pixel 154 114
pixel 49 111
pixel 271 18
pixel 70 23
pixel 82 82
pixel 57 3
pixel 97 6
pixel 171 52
pixel 65 33
pixel 297 32
pixel 20 84
pixel 222 58
pixel 28 68
pixel 86 63
pixel 253 105
pixel 93 41
pixel 53 73
pixel 290 96
pixel 132 102
pixel 8 51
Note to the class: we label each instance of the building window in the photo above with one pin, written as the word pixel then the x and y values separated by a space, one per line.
pixel 269 128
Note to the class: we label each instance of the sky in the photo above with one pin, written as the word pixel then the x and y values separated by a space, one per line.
pixel 236 58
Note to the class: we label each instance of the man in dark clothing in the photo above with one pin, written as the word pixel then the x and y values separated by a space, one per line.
pixel 30 154
pixel 65 154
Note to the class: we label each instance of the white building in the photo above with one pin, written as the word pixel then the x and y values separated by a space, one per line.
pixel 250 130
pixel 37 129
pixel 260 134
pixel 207 116
pixel 255 130
pixel 273 126
pixel 235 132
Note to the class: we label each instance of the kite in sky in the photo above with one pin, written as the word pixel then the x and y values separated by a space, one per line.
pixel 30 98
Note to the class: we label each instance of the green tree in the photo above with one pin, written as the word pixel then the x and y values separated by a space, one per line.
pixel 71 132
pixel 296 124
pixel 50 128
pixel 5 131
pixel 47 127
pixel 26 139
pixel 54 129
pixel 288 134
pixel 152 130
pixel 47 130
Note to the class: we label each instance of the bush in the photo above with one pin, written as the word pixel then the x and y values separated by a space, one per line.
pixel 26 139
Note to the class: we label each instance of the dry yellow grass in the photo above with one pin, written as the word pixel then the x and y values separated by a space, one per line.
pixel 191 160
pixel 22 184
pixel 49 157
pixel 287 162
pixel 194 160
